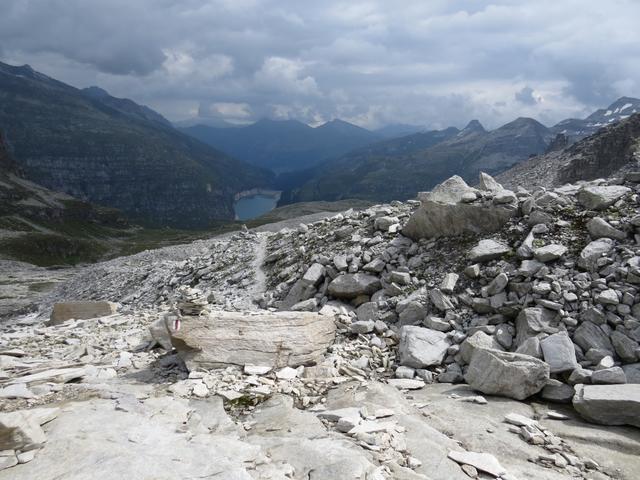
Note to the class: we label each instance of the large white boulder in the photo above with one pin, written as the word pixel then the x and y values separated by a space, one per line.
pixel 276 339
pixel 601 197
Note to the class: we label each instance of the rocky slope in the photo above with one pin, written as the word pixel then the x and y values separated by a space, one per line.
pixel 477 330
pixel 48 227
pixel 115 153
pixel 577 129
pixel 398 169
pixel 613 148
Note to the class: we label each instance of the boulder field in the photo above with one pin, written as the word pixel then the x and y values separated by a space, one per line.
pixel 480 332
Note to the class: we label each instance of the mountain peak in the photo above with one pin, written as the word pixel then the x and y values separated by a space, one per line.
pixel 338 125
pixel 473 126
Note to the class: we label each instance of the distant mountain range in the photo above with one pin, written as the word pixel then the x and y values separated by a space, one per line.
pixel 576 129
pixel 285 145
pixel 611 149
pixel 398 168
pixel 116 153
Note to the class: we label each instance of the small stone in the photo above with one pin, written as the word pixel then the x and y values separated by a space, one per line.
pixel 406 384
pixel 287 373
pixel 256 369
pixel 484 462
pixel 550 252
pixel 487 250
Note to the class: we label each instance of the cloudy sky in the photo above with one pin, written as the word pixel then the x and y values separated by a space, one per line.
pixel 425 62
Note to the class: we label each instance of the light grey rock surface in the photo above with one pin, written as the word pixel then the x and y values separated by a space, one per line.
pixel 81 310
pixel 609 404
pixel 275 339
pixel 509 374
pixel 422 347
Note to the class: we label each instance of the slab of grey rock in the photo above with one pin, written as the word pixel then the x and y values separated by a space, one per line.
pixel 275 339
pixel 422 347
pixel 556 391
pixel 601 197
pixel 600 228
pixel 589 335
pixel 608 376
pixel 593 251
pixel 507 374
pixel 446 211
pixel 314 274
pixel 549 253
pixel 532 321
pixel 478 340
pixel 488 249
pixel 484 462
pixel 609 404
pixel 82 310
pixel 352 285
pixel 626 348
pixel 559 352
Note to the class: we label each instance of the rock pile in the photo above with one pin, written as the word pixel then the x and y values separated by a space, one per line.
pixel 334 327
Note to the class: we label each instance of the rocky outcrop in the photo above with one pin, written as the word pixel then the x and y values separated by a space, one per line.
pixel 454 208
pixel 274 339
pixel 609 149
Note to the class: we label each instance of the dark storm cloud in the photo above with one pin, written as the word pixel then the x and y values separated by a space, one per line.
pixel 370 62
pixel 526 96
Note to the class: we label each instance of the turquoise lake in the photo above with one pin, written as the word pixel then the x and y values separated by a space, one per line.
pixel 251 207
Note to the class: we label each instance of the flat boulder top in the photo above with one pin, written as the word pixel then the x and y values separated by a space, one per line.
pixel 609 404
pixel 488 249
pixel 81 310
pixel 352 285
pixel 601 197
pixel 275 339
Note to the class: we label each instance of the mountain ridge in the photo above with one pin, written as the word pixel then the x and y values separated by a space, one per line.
pixel 108 151
pixel 285 145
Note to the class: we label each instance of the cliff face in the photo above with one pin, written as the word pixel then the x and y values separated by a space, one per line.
pixel 607 151
pixel 604 153
pixel 103 150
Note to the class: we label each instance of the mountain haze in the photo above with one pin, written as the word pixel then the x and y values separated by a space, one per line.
pixel 285 145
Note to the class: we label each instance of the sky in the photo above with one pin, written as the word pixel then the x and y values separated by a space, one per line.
pixel 433 63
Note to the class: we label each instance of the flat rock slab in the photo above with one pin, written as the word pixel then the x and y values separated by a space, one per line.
pixel 609 404
pixel 85 310
pixel 422 347
pixel 488 249
pixel 352 285
pixel 601 197
pixel 276 339
pixel 484 462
